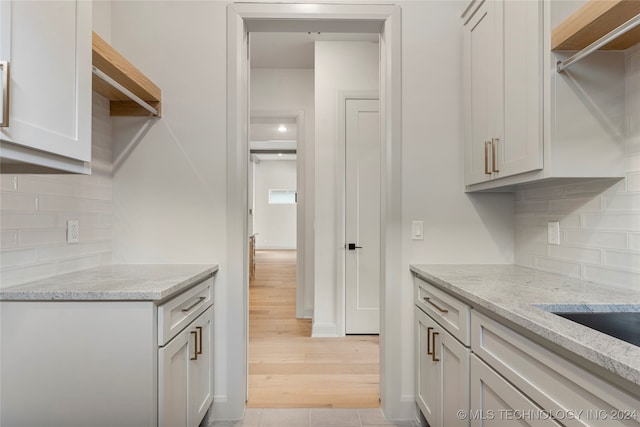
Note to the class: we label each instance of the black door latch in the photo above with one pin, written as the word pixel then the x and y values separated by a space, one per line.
pixel 353 247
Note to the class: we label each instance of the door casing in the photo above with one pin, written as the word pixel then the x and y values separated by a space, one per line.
pixel 241 19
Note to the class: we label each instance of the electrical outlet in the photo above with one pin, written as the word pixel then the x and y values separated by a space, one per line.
pixel 73 231
pixel 553 233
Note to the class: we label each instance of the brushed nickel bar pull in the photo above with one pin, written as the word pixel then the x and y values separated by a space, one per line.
pixel 195 345
pixel 5 94
pixel 429 329
pixel 199 328
pixel 494 161
pixel 486 159
pixel 433 344
pixel 440 309
pixel 184 310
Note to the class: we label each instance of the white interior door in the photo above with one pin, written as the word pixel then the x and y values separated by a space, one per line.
pixel 362 222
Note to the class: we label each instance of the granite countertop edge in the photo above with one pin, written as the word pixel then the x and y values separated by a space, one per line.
pixel 118 282
pixel 615 356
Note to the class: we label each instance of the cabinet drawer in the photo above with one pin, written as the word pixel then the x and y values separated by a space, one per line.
pixel 552 381
pixel 175 314
pixel 451 313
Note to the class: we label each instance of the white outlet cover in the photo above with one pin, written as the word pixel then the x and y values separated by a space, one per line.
pixel 553 233
pixel 73 231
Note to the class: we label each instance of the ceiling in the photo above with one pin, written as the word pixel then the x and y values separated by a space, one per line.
pixel 294 50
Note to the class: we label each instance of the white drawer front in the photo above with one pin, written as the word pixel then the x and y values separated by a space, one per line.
pixel 451 313
pixel 175 314
pixel 553 382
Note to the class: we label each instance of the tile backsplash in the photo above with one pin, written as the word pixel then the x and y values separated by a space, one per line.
pixel 599 222
pixel 35 209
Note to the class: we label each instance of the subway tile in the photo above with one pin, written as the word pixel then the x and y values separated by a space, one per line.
pixel 626 260
pixel 21 220
pixel 634 241
pixel 613 277
pixel 61 204
pixel 595 239
pixel 93 192
pixel 87 220
pixel 525 219
pixel 17 257
pixel 566 268
pixel 581 204
pixel 26 274
pixel 567 221
pixel 18 202
pixel 8 182
pixel 8 239
pixel 622 203
pixel 537 206
pixel 50 186
pixel 593 188
pixel 66 251
pixel 581 255
pixel 79 263
pixel 633 182
pixel 611 221
pixel 41 236
pixel 524 259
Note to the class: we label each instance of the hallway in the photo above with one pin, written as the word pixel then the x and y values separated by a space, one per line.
pixel 288 368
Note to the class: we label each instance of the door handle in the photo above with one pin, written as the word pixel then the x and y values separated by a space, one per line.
pixel 4 120
pixel 353 247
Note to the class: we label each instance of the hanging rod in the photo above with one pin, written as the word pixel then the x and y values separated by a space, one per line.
pixel 612 35
pixel 125 91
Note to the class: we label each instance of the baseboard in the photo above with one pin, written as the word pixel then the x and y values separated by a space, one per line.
pixel 224 410
pixel 324 330
pixel 308 313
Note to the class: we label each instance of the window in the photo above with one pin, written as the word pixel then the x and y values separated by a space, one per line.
pixel 282 197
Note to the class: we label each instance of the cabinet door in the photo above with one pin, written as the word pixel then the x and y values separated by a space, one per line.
pixel 453 366
pixel 173 380
pixel 480 74
pixel 48 47
pixel 518 131
pixel 495 402
pixel 428 378
pixel 201 370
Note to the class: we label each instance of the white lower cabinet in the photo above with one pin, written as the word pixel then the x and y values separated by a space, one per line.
pixel 185 374
pixel 442 366
pixel 100 363
pixel 505 378
pixel 495 402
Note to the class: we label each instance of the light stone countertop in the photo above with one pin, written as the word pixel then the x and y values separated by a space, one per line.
pixel 118 282
pixel 519 294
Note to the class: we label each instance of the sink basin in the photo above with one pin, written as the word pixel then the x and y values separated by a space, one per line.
pixel 622 325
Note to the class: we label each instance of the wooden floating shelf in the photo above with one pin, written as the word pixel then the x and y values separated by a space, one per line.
pixel 117 67
pixel 592 21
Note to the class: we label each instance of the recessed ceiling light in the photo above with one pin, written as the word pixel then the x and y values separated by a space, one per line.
pixel 282 128
pixel 279 154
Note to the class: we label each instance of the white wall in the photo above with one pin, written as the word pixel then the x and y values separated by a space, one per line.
pixel 274 223
pixel 339 66
pixel 292 90
pixel 600 222
pixel 35 208
pixel 170 177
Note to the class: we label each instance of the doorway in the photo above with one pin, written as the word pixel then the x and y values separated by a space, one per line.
pixel 355 18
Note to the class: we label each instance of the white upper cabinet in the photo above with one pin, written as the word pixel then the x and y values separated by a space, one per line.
pixel 47 46
pixel 525 122
pixel 502 88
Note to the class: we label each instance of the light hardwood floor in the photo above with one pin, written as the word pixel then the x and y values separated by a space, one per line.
pixel 288 368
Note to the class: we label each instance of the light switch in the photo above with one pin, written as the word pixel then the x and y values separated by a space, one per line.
pixel 417 230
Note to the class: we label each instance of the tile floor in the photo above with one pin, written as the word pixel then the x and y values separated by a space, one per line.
pixel 315 417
